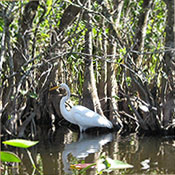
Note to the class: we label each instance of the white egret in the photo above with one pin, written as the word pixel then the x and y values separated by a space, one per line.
pixel 80 115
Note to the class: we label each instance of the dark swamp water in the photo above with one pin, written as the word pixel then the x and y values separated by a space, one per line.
pixel 53 156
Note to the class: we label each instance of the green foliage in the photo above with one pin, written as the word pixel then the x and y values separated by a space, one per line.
pixel 7 156
pixel 49 4
pixel 1 25
pixel 104 164
pixel 33 95
pixel 20 143
pixel 108 164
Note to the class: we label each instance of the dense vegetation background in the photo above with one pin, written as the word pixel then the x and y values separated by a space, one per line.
pixel 117 56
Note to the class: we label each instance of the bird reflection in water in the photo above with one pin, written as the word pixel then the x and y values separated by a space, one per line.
pixel 87 144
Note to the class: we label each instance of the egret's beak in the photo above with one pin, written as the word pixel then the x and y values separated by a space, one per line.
pixel 56 87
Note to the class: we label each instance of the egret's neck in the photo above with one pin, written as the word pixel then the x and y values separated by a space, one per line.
pixel 65 98
pixel 65 113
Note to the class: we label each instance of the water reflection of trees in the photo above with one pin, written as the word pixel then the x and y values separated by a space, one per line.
pixel 131 149
pixel 47 154
pixel 159 152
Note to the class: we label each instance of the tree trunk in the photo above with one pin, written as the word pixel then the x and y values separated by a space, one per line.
pixel 112 87
pixel 141 31
pixel 90 96
pixel 69 15
pixel 102 79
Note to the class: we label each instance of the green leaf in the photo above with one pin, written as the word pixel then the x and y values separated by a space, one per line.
pixel 117 164
pixel 23 92
pixel 33 95
pixel 49 3
pixel 107 30
pixel 7 156
pixel 94 31
pixel 21 143
pixel 101 164
pixel 108 164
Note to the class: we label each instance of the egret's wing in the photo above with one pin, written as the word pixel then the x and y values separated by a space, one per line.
pixel 88 118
